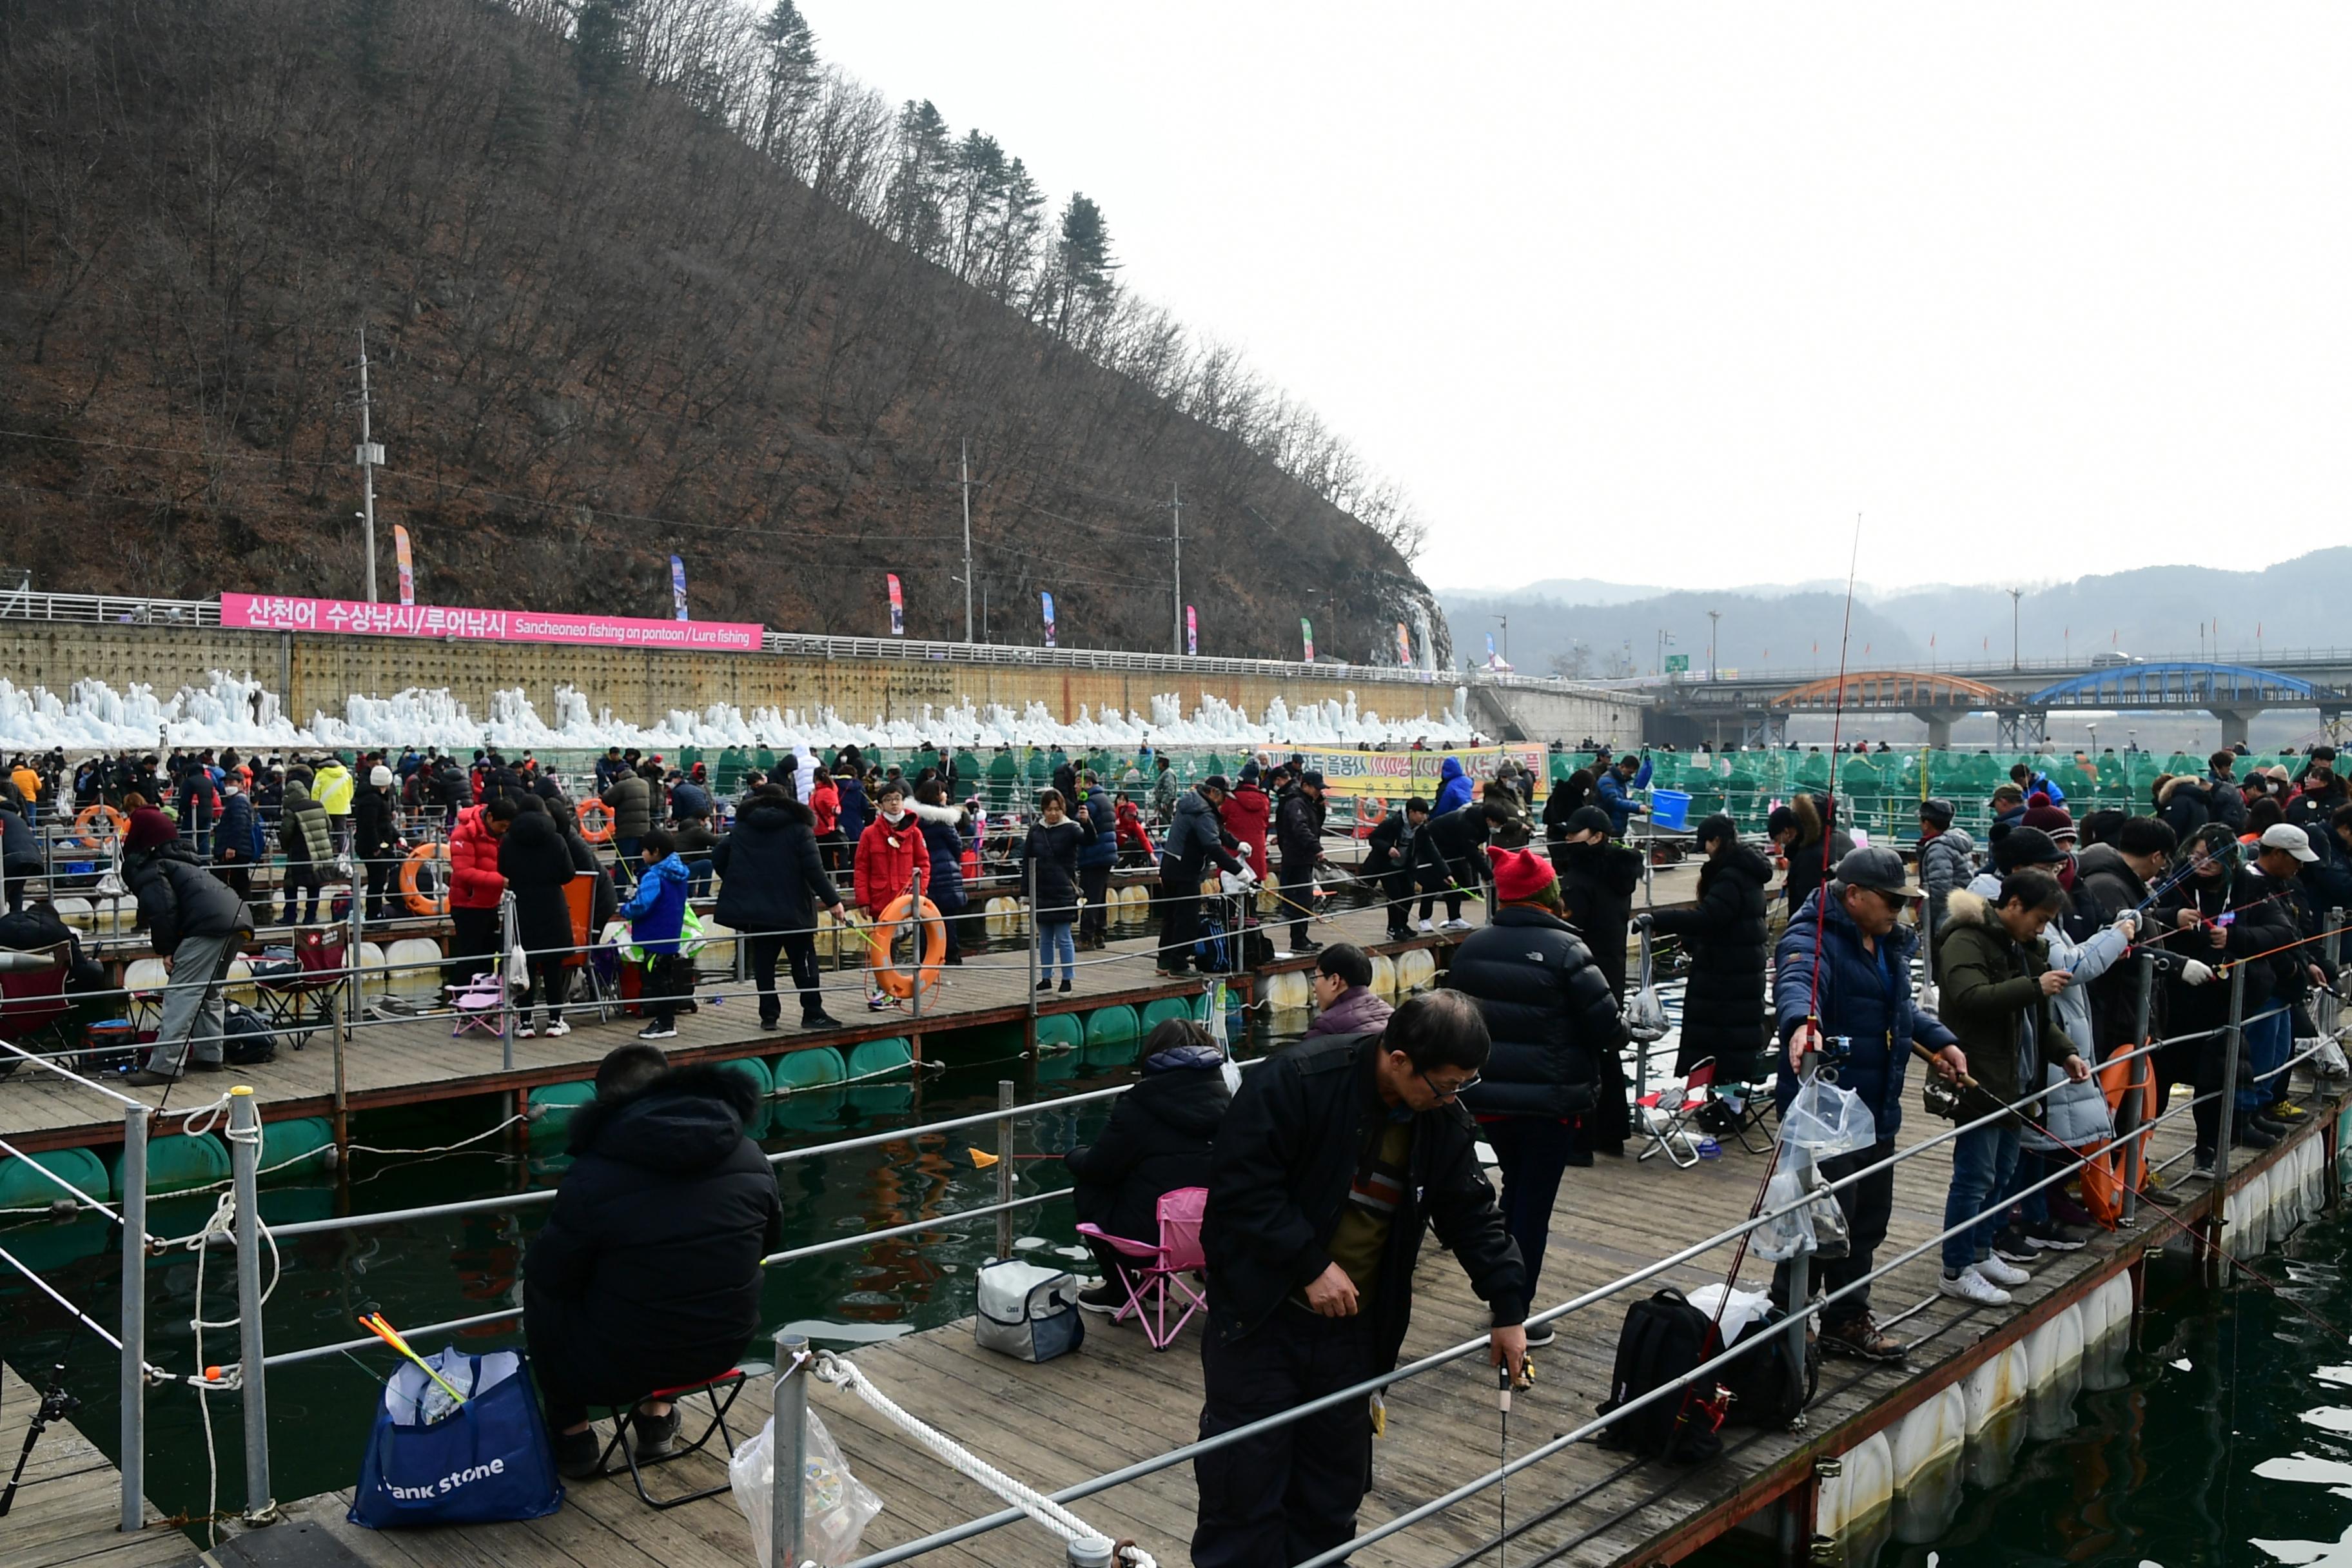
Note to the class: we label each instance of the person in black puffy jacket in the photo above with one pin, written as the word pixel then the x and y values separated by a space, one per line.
pixel 1597 879
pixel 1552 1090
pixel 772 882
pixel 375 838
pixel 646 1274
pixel 537 866
pixel 1157 1141
pixel 1725 932
pixel 197 924
pixel 947 834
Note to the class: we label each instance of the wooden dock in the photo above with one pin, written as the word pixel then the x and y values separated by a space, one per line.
pixel 65 1516
pixel 412 1061
pixel 1116 1402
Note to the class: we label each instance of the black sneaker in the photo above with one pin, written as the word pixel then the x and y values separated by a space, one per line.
pixel 1105 1298
pixel 579 1455
pixel 1539 1337
pixel 820 1021
pixel 2013 1245
pixel 772 1020
pixel 658 1031
pixel 2050 1236
pixel 657 1436
pixel 2266 1124
pixel 2251 1137
pixel 1303 949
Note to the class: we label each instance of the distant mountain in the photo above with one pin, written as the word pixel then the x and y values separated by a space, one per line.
pixel 2148 611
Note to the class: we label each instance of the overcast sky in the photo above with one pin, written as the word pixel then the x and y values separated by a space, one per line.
pixel 1669 294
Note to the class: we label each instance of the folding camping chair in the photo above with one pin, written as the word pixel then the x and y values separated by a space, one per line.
pixel 303 1000
pixel 1159 1270
pixel 33 1001
pixel 1738 1110
pixel 722 1391
pixel 1667 1116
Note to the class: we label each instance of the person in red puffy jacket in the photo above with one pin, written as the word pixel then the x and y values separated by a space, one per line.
pixel 1134 843
pixel 1246 814
pixel 475 885
pixel 891 859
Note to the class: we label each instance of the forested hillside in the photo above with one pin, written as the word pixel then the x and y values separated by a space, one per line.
pixel 638 277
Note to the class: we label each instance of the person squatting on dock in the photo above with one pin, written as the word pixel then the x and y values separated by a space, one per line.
pixel 1334 1158
pixel 646 1274
pixel 198 925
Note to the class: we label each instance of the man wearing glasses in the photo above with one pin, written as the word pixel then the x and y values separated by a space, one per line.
pixel 1843 973
pixel 1334 1158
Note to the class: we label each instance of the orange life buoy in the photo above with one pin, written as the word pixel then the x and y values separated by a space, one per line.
pixel 86 825
pixel 880 935
pixel 413 890
pixel 596 821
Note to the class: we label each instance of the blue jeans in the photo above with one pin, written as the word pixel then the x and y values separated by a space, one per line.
pixel 2268 1044
pixel 1983 1160
pixel 1054 940
pixel 2032 1207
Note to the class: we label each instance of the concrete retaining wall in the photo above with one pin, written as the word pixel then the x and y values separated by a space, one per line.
pixel 315 672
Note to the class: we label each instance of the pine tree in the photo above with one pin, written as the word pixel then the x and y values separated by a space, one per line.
pixel 789 84
pixel 1082 268
pixel 916 199
pixel 600 42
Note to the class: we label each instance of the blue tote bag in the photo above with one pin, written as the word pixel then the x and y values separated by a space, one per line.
pixel 485 1460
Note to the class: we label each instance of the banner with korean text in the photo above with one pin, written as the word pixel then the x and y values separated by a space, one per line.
pixel 281 613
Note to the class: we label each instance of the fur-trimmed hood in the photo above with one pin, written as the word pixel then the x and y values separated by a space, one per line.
pixel 954 816
pixel 1967 909
pixel 2179 782
pixel 688 1120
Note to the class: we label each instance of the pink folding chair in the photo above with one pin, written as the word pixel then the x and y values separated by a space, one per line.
pixel 1156 1272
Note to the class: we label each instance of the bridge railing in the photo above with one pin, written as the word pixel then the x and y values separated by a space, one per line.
pixel 95 609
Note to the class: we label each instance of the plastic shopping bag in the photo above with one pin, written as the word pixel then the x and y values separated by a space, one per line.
pixel 838 1505
pixel 1825 1120
pixel 1784 1234
pixel 1646 1015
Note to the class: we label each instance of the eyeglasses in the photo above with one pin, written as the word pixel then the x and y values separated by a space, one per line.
pixel 1446 1091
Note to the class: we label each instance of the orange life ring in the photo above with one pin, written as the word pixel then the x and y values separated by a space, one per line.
pixel 412 881
pixel 86 825
pixel 596 828
pixel 879 937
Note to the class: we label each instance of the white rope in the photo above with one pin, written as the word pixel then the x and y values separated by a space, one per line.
pixel 835 1369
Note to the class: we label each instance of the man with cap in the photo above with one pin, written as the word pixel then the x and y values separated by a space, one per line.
pixel 375 836
pixel 1614 791
pixel 1947 858
pixel 2280 856
pixel 1550 1089
pixel 1193 843
pixel 1299 841
pixel 2111 879
pixel 1843 972
pixel 197 924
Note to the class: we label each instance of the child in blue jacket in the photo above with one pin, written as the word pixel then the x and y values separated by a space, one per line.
pixel 656 914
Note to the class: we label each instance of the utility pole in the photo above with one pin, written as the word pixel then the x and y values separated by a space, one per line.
pixel 1712 616
pixel 2015 595
pixel 964 450
pixel 368 456
pixel 1176 501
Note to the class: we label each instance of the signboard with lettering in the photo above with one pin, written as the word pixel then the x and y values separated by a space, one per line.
pixel 281 613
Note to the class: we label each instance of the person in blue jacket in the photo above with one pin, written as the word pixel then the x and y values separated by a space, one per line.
pixel 1857 994
pixel 852 815
pixel 656 914
pixel 1614 791
pixel 1096 858
pixel 1453 788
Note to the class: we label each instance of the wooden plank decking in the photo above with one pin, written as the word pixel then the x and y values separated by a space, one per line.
pixel 65 1515
pixel 1116 1402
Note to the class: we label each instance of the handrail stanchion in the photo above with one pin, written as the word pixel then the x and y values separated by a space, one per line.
pixel 787 1496
pixel 244 1157
pixel 1005 1166
pixel 2233 1038
pixel 920 932
pixel 351 1020
pixel 2141 1071
pixel 1036 934
pixel 133 1458
pixel 509 940
pixel 1800 1262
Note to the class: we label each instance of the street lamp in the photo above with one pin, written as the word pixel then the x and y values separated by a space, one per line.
pixel 1665 640
pixel 2015 595
pixel 1713 669
pixel 1506 621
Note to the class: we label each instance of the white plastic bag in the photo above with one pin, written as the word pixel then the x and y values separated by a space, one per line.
pixel 1826 1120
pixel 1833 1238
pixel 839 1506
pixel 1646 1015
pixel 2326 1060
pixel 1746 1307
pixel 1783 1235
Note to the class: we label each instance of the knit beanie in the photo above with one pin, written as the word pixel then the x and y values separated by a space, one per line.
pixel 2023 846
pixel 1936 810
pixel 1520 875
pixel 381 777
pixel 148 829
pixel 2053 820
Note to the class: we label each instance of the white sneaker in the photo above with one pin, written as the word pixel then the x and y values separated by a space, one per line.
pixel 522 1031
pixel 557 1027
pixel 2003 1273
pixel 1971 1285
pixel 1425 929
pixel 1455 924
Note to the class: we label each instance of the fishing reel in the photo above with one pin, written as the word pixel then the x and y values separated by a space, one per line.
pixel 1835 1052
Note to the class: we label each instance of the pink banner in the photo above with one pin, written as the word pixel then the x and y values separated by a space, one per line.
pixel 278 612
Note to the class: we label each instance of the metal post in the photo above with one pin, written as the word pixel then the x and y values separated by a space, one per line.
pixel 133 1458
pixel 1036 932
pixel 369 456
pixel 1800 1270
pixel 915 923
pixel 1005 1166
pixel 964 451
pixel 2231 1039
pixel 245 1158
pixel 2142 1071
pixel 507 938
pixel 1176 501
pixel 787 1499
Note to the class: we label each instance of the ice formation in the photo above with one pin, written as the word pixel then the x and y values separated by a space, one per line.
pixel 236 710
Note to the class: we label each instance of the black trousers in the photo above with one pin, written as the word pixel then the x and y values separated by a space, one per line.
pixel 1534 1152
pixel 379 873
pixel 547 986
pixel 1298 898
pixel 1288 1494
pixel 1094 882
pixel 799 948
pixel 473 943
pixel 1867 1204
pixel 1179 922
pixel 1396 886
pixel 669 984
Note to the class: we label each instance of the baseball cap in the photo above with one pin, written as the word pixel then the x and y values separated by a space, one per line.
pixel 1217 782
pixel 2293 840
pixel 1879 869
pixel 1311 777
pixel 2025 846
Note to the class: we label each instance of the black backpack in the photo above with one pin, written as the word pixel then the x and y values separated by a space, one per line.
pixel 1665 1337
pixel 247 1040
pixel 1768 1387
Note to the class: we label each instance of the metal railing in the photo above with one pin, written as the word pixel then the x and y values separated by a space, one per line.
pixel 23 604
